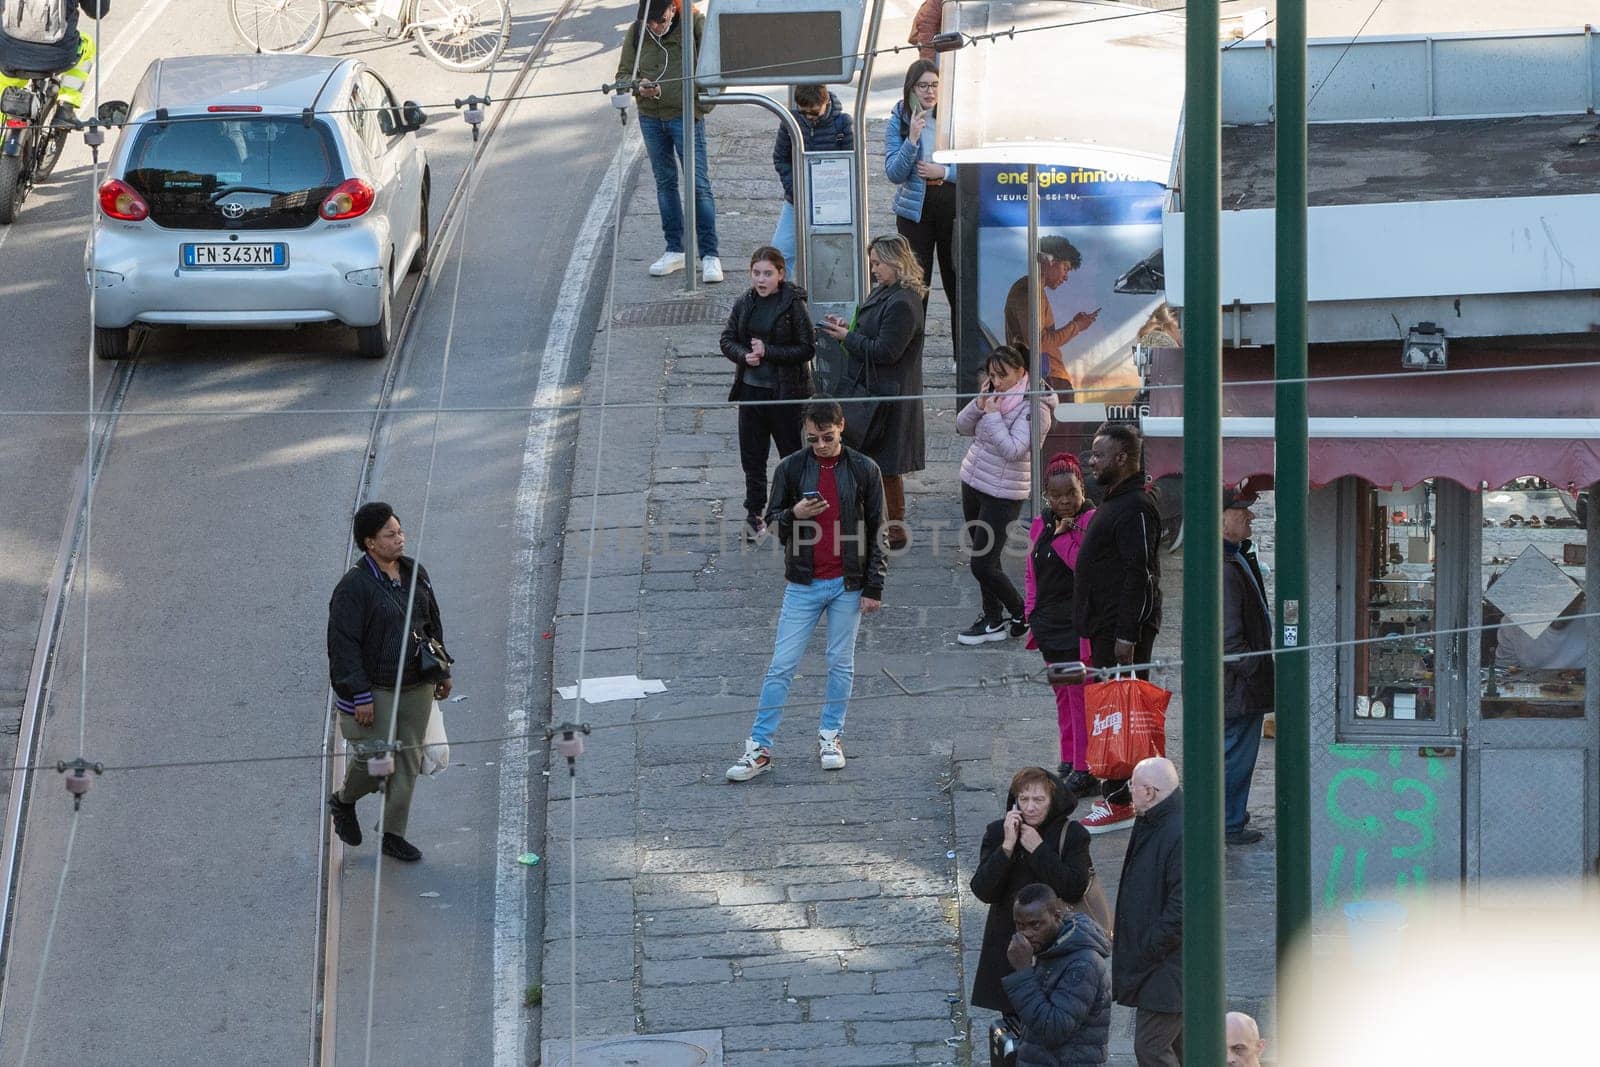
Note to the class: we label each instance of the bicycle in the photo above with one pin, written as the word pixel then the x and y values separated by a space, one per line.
pixel 32 143
pixel 459 35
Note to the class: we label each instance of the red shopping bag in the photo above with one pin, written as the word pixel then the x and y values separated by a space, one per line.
pixel 1127 720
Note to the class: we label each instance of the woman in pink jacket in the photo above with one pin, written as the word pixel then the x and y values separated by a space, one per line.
pixel 1056 537
pixel 996 478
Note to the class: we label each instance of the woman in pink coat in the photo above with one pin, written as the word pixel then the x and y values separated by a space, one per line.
pixel 1056 537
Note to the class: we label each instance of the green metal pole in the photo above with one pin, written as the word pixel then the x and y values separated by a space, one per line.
pixel 1291 483
pixel 1204 1002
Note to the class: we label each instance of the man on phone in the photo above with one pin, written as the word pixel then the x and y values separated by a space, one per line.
pixel 827 507
pixel 1058 258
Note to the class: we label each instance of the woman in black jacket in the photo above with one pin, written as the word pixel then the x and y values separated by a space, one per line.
pixel 370 649
pixel 770 341
pixel 1036 841
pixel 887 338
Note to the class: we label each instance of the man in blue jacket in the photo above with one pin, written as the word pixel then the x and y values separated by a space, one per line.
pixel 825 128
pixel 1061 988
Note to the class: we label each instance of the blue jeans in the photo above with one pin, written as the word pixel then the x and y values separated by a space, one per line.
pixel 804 607
pixel 783 235
pixel 663 138
pixel 1241 740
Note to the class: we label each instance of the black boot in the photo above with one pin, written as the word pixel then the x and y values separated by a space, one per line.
pixel 1083 784
pixel 345 823
pixel 66 117
pixel 401 849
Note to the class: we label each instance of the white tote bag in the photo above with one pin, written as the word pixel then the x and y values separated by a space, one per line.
pixel 435 743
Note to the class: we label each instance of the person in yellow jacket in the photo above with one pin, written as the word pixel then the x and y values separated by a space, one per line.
pixel 41 37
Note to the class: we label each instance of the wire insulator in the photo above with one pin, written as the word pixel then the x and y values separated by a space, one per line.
pixel 568 738
pixel 381 764
pixel 474 111
pixel 1073 673
pixel 94 135
pixel 78 781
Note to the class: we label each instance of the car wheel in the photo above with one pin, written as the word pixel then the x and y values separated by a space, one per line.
pixel 419 258
pixel 112 342
pixel 373 341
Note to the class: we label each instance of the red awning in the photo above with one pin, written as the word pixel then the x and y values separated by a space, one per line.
pixel 1515 415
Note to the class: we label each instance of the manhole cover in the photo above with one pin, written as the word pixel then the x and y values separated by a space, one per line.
pixel 700 1048
pixel 671 313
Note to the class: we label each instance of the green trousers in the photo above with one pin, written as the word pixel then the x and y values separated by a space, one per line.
pixel 416 701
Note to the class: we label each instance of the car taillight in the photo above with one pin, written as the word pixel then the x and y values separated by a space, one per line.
pixel 350 199
pixel 119 200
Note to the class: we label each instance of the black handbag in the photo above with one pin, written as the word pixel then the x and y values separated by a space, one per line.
pixel 863 407
pixel 1003 1037
pixel 433 660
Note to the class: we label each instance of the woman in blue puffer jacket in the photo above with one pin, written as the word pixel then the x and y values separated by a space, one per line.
pixel 925 204
pixel 996 477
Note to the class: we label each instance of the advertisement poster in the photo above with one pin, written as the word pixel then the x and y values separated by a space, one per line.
pixel 1094 228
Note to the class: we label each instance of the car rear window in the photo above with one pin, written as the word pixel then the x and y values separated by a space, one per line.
pixel 253 173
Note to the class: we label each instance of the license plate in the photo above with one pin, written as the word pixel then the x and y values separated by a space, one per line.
pixel 236 255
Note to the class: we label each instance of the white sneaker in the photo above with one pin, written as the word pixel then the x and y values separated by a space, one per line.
pixel 669 263
pixel 757 759
pixel 830 750
pixel 710 269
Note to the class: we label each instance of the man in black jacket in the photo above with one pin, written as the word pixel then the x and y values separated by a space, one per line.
pixel 1248 682
pixel 825 126
pixel 1117 591
pixel 827 506
pixel 1147 967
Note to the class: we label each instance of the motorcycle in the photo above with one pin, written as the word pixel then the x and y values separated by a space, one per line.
pixel 32 140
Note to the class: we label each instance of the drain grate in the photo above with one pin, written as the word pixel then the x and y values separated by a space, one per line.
pixel 694 1048
pixel 672 313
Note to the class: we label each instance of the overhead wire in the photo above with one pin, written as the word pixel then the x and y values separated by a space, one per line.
pixel 1347 46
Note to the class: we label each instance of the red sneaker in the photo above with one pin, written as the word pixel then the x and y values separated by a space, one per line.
pixel 1105 817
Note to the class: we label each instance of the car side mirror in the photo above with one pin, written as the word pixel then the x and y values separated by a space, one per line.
pixel 413 115
pixel 112 113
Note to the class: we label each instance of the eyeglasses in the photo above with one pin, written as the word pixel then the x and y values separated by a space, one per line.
pixel 925 87
pixel 823 439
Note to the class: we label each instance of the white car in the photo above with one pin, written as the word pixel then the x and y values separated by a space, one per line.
pixel 258 191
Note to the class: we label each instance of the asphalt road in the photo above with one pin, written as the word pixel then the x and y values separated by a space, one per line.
pixel 186 930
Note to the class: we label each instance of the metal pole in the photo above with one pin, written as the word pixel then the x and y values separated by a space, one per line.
pixel 690 94
pixel 1035 327
pixel 802 180
pixel 1203 937
pixel 863 90
pixel 1292 699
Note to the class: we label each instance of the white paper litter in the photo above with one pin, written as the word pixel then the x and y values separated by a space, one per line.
pixel 619 687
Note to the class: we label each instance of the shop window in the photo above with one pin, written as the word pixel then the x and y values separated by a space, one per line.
pixel 1534 647
pixel 1396 585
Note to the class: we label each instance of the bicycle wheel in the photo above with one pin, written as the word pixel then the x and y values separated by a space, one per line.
pixel 10 188
pixel 464 35
pixel 284 26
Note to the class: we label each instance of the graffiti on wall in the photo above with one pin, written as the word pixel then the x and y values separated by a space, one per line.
pixel 1382 815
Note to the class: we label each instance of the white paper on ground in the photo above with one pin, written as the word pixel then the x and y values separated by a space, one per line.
pixel 618 687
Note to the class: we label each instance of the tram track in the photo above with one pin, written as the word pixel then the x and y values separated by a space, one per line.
pixel 68 558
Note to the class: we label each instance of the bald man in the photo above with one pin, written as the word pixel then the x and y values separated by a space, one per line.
pixel 1147 966
pixel 1245 1045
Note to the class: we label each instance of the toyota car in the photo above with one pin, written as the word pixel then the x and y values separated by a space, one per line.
pixel 259 191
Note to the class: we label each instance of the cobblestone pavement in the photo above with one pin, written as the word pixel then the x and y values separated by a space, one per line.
pixel 813 918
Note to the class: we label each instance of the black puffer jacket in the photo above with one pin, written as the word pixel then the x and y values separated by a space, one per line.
pixel 1147 969
pixel 861 547
pixel 366 628
pixel 1117 579
pixel 791 347
pixel 999 878
pixel 1064 999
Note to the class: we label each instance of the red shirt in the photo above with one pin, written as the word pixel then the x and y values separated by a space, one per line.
pixel 826 560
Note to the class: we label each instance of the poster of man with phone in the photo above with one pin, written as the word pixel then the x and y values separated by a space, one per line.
pixel 1058 258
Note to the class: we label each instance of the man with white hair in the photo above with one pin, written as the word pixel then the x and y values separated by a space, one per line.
pixel 1245 1043
pixel 1147 966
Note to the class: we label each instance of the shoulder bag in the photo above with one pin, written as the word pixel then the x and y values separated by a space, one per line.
pixel 1094 903
pixel 864 408
pixel 433 661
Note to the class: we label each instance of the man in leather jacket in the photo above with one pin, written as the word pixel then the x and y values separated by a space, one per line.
pixel 827 507
pixel 41 37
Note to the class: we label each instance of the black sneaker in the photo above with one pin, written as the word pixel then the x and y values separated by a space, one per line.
pixel 1244 836
pixel 984 631
pixel 1082 784
pixel 401 849
pixel 754 527
pixel 345 823
pixel 1019 626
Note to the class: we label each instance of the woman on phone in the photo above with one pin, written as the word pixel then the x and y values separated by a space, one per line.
pixel 770 341
pixel 1036 840
pixel 887 334
pixel 925 203
pixel 1056 537
pixel 996 477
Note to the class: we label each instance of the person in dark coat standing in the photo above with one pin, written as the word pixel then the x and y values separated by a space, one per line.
pixel 1061 985
pixel 770 341
pixel 1247 683
pixel 1116 597
pixel 1147 968
pixel 825 126
pixel 1036 841
pixel 887 338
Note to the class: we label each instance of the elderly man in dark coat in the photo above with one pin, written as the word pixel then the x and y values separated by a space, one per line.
pixel 1248 689
pixel 1147 968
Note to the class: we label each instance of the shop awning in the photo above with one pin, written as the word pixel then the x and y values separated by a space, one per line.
pixel 1517 413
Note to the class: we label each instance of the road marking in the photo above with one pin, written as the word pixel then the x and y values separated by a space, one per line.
pixel 131 33
pixel 510 879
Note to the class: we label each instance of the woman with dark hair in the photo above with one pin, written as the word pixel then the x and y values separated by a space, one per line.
pixel 925 204
pixel 378 675
pixel 885 344
pixel 996 477
pixel 1056 537
pixel 1037 840
pixel 770 341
